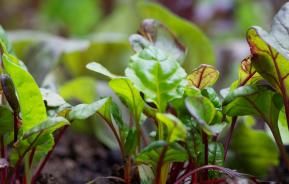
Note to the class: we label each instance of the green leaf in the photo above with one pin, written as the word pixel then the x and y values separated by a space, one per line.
pixel 252 151
pixel 124 88
pixel 216 154
pixel 158 77
pixel 96 67
pixel 130 142
pixel 254 100
pixel 212 95
pixel 199 47
pixel 271 51
pixel 176 129
pixel 6 120
pixel 32 107
pixel 203 76
pixel 4 42
pixel 203 111
pixel 48 126
pixel 83 111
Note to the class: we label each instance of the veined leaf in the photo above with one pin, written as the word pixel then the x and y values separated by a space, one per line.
pixel 271 51
pixel 247 73
pixel 199 47
pixel 176 129
pixel 158 77
pixel 203 76
pixel 254 100
pixel 124 88
pixel 32 107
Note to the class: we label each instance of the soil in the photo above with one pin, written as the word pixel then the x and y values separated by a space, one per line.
pixel 79 159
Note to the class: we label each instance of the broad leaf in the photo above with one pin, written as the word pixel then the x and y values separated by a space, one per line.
pixel 199 47
pixel 254 100
pixel 32 106
pixel 158 77
pixel 124 88
pixel 271 51
pixel 203 76
pixel 176 130
pixel 52 99
pixel 48 126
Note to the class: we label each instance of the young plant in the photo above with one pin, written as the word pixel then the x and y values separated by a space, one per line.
pixel 26 132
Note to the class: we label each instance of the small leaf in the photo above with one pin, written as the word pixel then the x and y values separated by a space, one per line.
pixel 203 76
pixel 83 111
pixel 212 95
pixel 202 110
pixel 130 142
pixel 48 126
pixel 176 129
pixel 30 99
pixel 96 67
pixel 124 88
pixel 247 73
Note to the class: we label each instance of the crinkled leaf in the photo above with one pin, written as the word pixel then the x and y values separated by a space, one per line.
pixel 203 111
pixel 271 51
pixel 199 47
pixel 6 120
pixel 124 88
pixel 32 107
pixel 176 129
pixel 83 111
pixel 96 67
pixel 48 126
pixel 158 77
pixel 203 76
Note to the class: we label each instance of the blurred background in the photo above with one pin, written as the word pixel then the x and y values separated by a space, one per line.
pixel 57 38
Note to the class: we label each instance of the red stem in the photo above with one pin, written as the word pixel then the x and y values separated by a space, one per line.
pixel 3 155
pixel 40 168
pixel 31 156
pixel 214 167
pixel 17 165
pixel 229 137
pixel 206 143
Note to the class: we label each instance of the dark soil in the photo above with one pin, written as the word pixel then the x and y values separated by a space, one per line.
pixel 79 159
